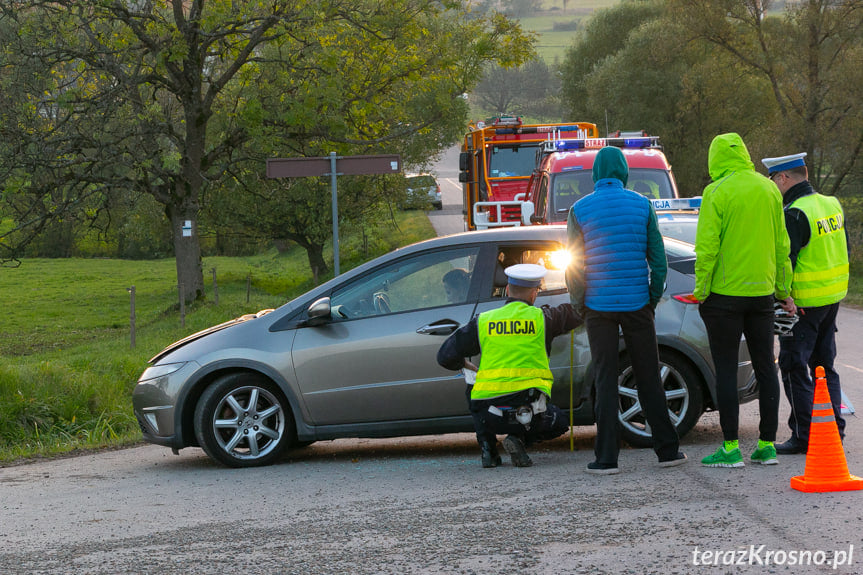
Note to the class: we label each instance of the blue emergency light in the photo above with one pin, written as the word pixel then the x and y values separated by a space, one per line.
pixel 595 143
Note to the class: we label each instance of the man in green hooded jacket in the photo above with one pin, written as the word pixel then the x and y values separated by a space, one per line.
pixel 741 264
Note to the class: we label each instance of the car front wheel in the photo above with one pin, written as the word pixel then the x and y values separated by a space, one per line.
pixel 683 396
pixel 243 420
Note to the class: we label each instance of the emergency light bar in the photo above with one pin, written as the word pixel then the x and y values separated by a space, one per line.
pixel 676 204
pixel 541 130
pixel 507 121
pixel 596 143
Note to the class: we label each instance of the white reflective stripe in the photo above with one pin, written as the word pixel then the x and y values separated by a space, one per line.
pixel 495 411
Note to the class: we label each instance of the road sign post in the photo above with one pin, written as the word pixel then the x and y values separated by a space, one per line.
pixel 333 166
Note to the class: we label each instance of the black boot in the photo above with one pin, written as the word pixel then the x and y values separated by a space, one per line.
pixel 515 447
pixel 793 445
pixel 490 456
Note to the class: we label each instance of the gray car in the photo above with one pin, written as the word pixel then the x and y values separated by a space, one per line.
pixel 355 357
pixel 422 190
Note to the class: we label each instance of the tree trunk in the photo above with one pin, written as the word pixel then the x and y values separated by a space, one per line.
pixel 187 249
pixel 316 258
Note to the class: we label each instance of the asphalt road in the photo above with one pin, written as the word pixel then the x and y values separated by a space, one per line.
pixel 424 505
pixel 450 219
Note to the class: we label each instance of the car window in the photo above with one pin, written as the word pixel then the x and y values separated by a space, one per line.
pixel 412 283
pixel 542 198
pixel 420 182
pixel 553 257
pixel 569 187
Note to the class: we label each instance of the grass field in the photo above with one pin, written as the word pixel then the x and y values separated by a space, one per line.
pixel 66 364
pixel 552 44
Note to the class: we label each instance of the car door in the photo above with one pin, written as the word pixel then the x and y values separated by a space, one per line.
pixel 553 256
pixel 376 360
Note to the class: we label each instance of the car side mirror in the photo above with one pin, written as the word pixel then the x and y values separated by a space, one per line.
pixel 527 213
pixel 319 312
pixel 464 161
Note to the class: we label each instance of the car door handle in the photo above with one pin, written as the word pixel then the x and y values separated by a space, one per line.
pixel 443 327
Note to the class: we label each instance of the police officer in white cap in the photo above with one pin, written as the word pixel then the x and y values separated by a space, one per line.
pixel 819 257
pixel 512 390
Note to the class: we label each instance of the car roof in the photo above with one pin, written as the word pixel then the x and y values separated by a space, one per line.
pixel 583 159
pixel 506 233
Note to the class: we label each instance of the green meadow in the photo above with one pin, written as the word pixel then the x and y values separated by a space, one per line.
pixel 67 368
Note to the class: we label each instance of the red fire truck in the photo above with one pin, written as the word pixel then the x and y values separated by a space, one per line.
pixel 497 161
pixel 565 174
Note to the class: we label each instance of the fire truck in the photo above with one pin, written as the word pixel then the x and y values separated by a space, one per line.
pixel 497 161
pixel 564 174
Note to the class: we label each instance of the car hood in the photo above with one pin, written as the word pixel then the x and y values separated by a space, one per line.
pixel 208 331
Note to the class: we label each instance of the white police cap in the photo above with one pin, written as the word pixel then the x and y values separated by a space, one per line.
pixel 783 163
pixel 525 275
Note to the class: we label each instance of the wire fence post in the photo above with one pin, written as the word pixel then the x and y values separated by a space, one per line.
pixel 215 288
pixel 131 291
pixel 248 286
pixel 182 306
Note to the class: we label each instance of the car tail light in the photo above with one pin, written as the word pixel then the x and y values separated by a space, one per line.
pixel 686 298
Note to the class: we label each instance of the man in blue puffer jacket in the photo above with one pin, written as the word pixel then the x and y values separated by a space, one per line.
pixel 616 280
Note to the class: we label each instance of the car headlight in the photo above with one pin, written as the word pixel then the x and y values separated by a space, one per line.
pixel 160 370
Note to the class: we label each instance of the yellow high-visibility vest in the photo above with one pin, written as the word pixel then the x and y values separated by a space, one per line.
pixel 821 271
pixel 512 342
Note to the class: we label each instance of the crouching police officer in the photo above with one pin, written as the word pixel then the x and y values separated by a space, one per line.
pixel 513 382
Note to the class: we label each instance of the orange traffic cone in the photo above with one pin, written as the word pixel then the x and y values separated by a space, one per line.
pixel 826 468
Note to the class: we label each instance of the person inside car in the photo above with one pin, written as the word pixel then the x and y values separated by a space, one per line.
pixel 456 283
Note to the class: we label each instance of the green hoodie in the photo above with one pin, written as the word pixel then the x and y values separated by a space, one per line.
pixel 610 163
pixel 741 244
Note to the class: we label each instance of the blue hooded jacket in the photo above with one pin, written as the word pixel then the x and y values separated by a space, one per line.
pixel 619 257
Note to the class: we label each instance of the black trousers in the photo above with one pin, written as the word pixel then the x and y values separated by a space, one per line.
pixel 553 422
pixel 811 343
pixel 639 334
pixel 727 318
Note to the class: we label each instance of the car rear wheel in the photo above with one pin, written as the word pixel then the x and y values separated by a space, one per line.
pixel 683 395
pixel 243 420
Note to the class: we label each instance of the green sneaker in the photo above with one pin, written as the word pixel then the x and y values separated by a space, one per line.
pixel 765 455
pixel 722 458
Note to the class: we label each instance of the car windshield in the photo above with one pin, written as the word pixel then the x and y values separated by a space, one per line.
pixel 570 186
pixel 678 250
pixel 511 161
pixel 678 227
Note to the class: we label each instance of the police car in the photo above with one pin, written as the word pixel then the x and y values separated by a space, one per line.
pixel 678 218
pixel 356 356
